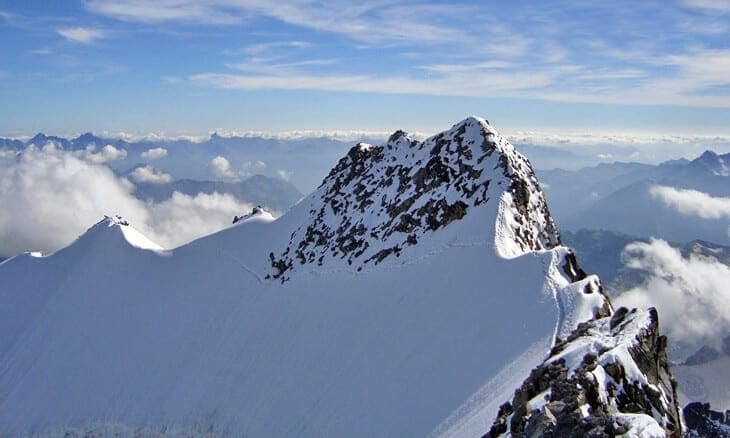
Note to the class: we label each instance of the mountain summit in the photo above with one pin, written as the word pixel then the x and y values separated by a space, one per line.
pixel 379 200
pixel 411 293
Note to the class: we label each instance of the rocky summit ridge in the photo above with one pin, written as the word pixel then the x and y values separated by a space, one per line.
pixel 379 200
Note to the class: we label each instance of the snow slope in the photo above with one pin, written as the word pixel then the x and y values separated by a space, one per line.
pixel 342 317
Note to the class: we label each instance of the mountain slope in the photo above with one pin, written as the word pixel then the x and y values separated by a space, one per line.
pixel 410 293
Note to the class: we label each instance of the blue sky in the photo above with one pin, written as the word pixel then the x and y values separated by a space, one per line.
pixel 188 66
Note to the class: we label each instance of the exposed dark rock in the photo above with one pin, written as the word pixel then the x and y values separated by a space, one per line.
pixel 577 403
pixel 256 210
pixel 571 268
pixel 701 421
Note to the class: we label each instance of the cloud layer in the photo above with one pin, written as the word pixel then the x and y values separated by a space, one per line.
pixel 148 174
pixel 54 196
pixel 483 50
pixel 154 153
pixel 690 293
pixel 693 202
pixel 107 153
pixel 220 167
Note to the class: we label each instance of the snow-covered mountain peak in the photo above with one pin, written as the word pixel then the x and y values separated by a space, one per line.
pixel 258 214
pixel 118 226
pixel 380 200
pixel 718 165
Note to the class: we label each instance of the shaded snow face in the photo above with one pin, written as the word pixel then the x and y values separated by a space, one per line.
pixel 380 200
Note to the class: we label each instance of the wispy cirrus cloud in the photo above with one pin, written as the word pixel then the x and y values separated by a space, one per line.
pixel 708 5
pixel 631 63
pixel 83 35
pixel 355 20
pixel 491 78
pixel 259 48
pixel 568 83
pixel 165 10
pixel 266 66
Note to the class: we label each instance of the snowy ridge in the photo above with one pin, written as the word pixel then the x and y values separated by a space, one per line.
pixel 131 235
pixel 380 200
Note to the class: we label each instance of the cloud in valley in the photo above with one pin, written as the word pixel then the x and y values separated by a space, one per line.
pixel 148 174
pixel 107 153
pixel 221 168
pixel 285 175
pixel 183 218
pixel 56 195
pixel 690 293
pixel 154 153
pixel 693 202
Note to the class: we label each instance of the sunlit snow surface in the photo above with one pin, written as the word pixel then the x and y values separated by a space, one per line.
pixel 197 338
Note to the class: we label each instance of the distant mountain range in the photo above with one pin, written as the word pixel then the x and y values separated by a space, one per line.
pixel 618 197
pixel 301 160
pixel 273 193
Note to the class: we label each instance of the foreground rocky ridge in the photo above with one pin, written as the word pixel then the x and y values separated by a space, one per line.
pixel 609 377
pixel 703 422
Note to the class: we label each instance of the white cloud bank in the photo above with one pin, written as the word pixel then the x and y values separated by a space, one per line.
pixel 183 218
pixel 51 197
pixel 148 174
pixel 693 202
pixel 154 153
pixel 691 294
pixel 107 153
pixel 220 167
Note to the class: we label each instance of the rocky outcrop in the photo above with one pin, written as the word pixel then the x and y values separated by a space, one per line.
pixel 611 375
pixel 701 421
pixel 258 210
pixel 379 200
